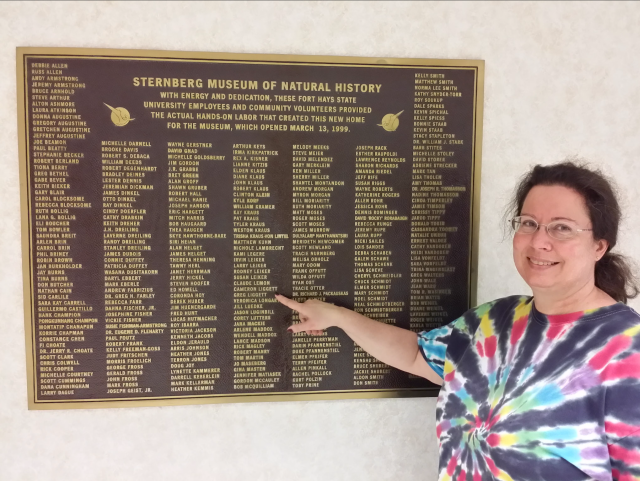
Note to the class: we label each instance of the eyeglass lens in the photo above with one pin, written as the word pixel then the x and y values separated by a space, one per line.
pixel 556 229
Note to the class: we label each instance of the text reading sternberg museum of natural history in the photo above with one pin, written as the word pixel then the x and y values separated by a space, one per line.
pixel 168 200
pixel 228 84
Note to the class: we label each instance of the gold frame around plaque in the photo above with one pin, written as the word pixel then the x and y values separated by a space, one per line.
pixel 22 53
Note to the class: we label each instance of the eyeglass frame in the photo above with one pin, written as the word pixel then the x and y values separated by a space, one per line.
pixel 538 224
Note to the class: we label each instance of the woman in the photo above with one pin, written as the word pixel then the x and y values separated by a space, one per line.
pixel 534 388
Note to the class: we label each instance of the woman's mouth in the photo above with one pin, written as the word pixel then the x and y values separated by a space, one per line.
pixel 541 263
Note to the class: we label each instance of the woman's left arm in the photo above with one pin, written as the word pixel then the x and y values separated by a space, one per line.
pixel 624 454
pixel 622 408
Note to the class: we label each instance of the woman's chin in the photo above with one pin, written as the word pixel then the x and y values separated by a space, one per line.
pixel 539 280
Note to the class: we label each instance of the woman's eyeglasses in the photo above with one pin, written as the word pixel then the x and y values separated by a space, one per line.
pixel 559 229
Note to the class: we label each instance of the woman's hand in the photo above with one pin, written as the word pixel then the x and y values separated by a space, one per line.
pixel 390 344
pixel 315 315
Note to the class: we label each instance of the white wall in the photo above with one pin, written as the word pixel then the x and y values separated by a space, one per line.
pixel 561 79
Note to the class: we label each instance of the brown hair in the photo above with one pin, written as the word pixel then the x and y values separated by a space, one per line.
pixel 613 274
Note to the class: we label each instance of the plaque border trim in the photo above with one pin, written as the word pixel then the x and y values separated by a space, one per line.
pixel 22 53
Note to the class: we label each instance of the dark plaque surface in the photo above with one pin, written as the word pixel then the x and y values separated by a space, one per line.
pixel 168 195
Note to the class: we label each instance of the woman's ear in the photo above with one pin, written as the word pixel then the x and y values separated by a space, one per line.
pixel 601 248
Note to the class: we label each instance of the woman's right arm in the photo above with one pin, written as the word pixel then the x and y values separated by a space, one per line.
pixel 390 344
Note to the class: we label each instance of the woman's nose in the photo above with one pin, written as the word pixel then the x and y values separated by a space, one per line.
pixel 540 239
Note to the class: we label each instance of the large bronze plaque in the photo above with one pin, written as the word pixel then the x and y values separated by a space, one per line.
pixel 166 196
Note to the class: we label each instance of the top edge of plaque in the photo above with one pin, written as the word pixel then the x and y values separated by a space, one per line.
pixel 244 57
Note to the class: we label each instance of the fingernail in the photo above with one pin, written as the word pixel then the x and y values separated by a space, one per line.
pixel 290 330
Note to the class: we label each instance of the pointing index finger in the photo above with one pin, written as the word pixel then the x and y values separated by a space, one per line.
pixel 290 303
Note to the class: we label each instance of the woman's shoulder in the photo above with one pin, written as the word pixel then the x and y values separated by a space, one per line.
pixel 616 314
pixel 503 305
pixel 494 312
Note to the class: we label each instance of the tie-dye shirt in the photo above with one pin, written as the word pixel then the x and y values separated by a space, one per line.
pixel 533 397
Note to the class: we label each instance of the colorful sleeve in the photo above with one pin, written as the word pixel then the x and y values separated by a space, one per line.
pixel 433 344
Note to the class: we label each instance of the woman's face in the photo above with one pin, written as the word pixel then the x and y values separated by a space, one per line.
pixel 545 263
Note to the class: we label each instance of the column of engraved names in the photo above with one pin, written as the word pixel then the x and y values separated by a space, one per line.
pixel 61 318
pixel 430 245
pixel 191 317
pixel 253 291
pixel 312 250
pixel 131 329
pixel 373 273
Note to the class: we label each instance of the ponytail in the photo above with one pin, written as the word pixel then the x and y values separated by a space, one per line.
pixel 614 276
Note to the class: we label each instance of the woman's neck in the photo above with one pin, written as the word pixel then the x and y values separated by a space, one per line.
pixel 557 301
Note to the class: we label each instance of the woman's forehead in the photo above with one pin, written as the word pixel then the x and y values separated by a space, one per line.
pixel 551 201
